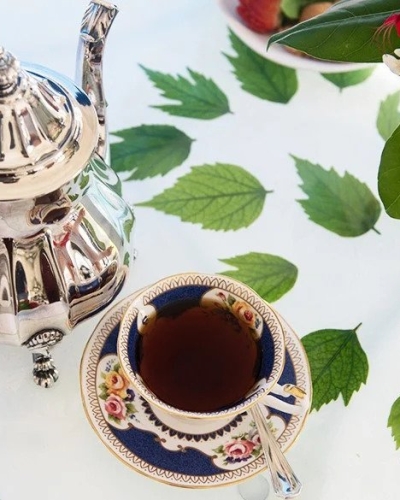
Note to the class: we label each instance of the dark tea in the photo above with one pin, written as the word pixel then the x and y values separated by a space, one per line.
pixel 198 358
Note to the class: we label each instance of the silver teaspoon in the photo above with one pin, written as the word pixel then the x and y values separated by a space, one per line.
pixel 284 480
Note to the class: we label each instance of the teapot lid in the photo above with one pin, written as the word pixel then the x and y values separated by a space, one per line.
pixel 48 130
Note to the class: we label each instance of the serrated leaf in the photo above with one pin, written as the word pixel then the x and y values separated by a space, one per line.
pixel 394 422
pixel 388 116
pixel 343 205
pixel 200 98
pixel 338 365
pixel 349 78
pixel 269 275
pixel 389 175
pixel 261 77
pixel 221 197
pixel 348 31
pixel 149 150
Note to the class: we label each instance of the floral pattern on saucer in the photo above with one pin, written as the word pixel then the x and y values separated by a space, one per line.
pixel 115 394
pixel 144 440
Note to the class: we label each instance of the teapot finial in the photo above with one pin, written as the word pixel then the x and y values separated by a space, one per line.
pixel 96 23
pixel 9 71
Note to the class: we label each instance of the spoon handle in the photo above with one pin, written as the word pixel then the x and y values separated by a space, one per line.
pixel 284 480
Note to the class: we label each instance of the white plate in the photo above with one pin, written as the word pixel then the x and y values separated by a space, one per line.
pixel 277 53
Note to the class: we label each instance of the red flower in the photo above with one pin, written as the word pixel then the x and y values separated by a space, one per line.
pixel 393 21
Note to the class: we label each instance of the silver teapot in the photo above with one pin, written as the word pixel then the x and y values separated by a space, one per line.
pixel 65 231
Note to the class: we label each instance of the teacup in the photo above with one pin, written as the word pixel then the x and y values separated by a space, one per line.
pixel 218 296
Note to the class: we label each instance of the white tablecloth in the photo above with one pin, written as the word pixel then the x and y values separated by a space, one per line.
pixel 47 449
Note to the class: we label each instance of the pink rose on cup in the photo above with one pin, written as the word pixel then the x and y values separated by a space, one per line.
pixel 239 449
pixel 115 407
pixel 243 311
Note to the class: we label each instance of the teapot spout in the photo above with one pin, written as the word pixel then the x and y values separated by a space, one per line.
pixel 96 24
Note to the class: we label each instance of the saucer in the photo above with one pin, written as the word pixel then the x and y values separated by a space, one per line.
pixel 276 53
pixel 188 455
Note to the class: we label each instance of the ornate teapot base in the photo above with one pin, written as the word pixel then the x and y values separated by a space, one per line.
pixel 44 371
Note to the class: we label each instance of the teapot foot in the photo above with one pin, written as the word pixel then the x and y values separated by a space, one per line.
pixel 44 371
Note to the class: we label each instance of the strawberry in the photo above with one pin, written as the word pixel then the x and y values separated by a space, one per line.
pixel 262 16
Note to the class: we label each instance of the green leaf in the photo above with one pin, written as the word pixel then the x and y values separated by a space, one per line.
pixel 388 116
pixel 200 98
pixel 114 419
pixel 348 31
pixel 149 150
pixel 130 408
pixel 221 197
pixel 343 205
pixel 349 78
pixel 389 175
pixel 127 259
pixel 394 422
pixel 220 449
pixel 261 77
pixel 270 276
pixel 338 365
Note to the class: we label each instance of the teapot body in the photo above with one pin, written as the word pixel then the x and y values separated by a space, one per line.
pixel 65 230
pixel 63 256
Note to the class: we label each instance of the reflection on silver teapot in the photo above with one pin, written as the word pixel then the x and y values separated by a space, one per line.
pixel 65 232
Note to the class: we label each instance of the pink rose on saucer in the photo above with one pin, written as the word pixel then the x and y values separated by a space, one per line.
pixel 239 449
pixel 115 407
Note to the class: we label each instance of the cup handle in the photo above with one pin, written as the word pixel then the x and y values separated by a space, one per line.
pixel 284 480
pixel 285 391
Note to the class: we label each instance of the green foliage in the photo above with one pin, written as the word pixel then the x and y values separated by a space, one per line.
pixel 200 98
pixel 349 78
pixel 338 365
pixel 343 205
pixel 348 31
pixel 394 422
pixel 221 197
pixel 149 150
pixel 389 175
pixel 260 77
pixel 388 116
pixel 270 276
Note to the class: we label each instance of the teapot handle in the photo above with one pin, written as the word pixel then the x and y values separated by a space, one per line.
pixel 96 24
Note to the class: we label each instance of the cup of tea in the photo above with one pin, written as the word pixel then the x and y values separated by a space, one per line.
pixel 201 346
